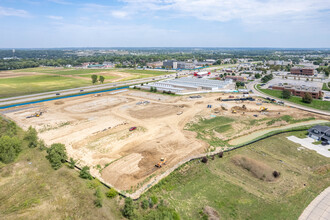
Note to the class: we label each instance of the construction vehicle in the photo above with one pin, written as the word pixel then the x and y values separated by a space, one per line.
pixel 233 111
pixel 37 114
pixel 263 109
pixel 161 162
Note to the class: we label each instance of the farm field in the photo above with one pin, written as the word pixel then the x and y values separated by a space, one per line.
pixel 247 190
pixel 95 130
pixel 42 79
pixel 25 85
pixel 317 104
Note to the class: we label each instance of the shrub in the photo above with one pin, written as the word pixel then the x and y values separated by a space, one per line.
pixel 9 148
pixel 56 155
pixel 154 199
pixel 128 210
pixel 32 137
pixel 85 174
pixel 204 159
pixel 72 163
pixel 112 193
pixel 221 154
pixel 286 94
pixel 144 204
pixel 41 145
pixel 307 98
pixel 98 202
pixel 276 174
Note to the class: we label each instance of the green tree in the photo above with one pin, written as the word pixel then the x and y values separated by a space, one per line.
pixel 286 94
pixel 155 89
pixel 307 98
pixel 32 137
pixel 56 155
pixel 85 174
pixel 112 193
pixel 72 163
pixel 151 89
pixel 128 210
pixel 101 79
pixel 9 148
pixel 94 78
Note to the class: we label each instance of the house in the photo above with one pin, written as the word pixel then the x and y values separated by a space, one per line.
pixel 320 133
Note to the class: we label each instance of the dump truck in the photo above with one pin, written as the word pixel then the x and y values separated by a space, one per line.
pixel 161 163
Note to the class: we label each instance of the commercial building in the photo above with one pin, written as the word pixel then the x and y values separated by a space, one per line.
pixel 237 78
pixel 170 64
pixel 302 71
pixel 187 84
pixel 320 133
pixel 295 90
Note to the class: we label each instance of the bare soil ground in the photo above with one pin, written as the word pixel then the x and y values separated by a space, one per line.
pixel 95 130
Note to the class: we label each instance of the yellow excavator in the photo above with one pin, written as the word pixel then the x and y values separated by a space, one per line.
pixel 37 114
pixel 161 162
pixel 263 109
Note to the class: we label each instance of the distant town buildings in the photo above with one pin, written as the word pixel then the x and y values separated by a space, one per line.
pixel 279 62
pixel 305 71
pixel 237 78
pixel 296 90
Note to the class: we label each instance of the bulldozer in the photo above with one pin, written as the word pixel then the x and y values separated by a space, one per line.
pixel 161 163
pixel 263 109
pixel 233 111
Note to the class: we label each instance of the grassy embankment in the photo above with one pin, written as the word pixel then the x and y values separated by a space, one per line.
pixel 316 103
pixel 31 189
pixel 236 191
pixel 219 130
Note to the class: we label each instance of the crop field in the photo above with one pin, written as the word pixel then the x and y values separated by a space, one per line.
pixel 42 79
pixel 39 83
pixel 95 130
pixel 241 186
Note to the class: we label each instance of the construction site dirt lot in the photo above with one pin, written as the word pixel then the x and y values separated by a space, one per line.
pixel 96 130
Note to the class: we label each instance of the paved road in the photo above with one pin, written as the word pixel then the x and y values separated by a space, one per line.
pixel 319 208
pixel 250 86
pixel 45 95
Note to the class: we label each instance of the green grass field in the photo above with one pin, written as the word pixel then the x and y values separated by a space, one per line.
pixel 236 194
pixel 35 84
pixel 317 104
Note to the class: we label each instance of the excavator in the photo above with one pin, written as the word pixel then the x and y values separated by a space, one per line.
pixel 161 162
pixel 263 109
pixel 37 114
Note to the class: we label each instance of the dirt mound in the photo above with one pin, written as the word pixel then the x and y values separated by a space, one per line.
pixel 59 103
pixel 211 213
pixel 256 168
pixel 238 108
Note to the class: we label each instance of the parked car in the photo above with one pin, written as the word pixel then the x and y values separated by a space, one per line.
pixel 132 128
pixel 81 90
pixel 57 93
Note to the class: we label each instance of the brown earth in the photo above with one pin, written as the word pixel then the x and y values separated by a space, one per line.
pixel 95 130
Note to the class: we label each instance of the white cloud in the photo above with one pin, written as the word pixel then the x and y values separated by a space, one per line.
pixel 119 14
pixel 13 12
pixel 226 10
pixel 55 17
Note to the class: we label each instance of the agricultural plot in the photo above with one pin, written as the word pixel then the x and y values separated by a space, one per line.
pixel 42 79
pixel 96 130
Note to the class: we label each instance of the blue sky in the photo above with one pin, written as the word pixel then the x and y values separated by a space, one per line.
pixel 164 23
